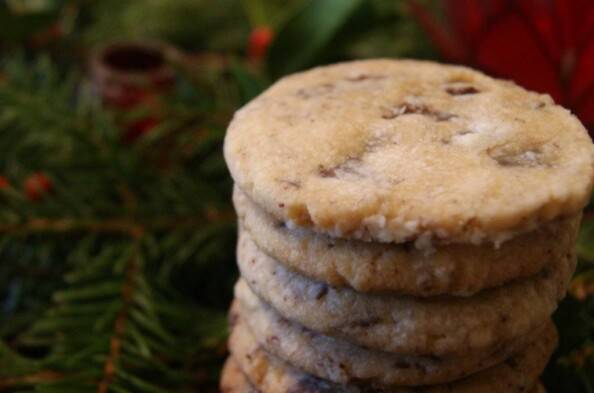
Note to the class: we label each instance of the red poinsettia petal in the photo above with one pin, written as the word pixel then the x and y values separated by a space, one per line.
pixel 588 26
pixel 450 47
pixel 493 8
pixel 539 15
pixel 575 20
pixel 509 50
pixel 583 75
pixel 467 18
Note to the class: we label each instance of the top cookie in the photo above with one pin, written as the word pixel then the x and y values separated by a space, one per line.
pixel 395 151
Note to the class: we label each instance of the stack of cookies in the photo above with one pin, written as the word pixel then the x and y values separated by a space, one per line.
pixel 404 226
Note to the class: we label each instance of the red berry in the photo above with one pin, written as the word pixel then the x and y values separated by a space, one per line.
pixel 259 41
pixel 4 183
pixel 37 185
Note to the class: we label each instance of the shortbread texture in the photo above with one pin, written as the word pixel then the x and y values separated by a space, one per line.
pixel 342 362
pixel 283 379
pixel 405 324
pixel 396 150
pixel 271 375
pixel 453 269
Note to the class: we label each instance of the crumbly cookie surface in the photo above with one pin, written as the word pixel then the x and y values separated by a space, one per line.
pixel 454 269
pixel 342 362
pixel 399 150
pixel 405 324
pixel 271 375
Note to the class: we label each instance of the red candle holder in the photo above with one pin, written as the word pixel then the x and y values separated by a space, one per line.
pixel 130 75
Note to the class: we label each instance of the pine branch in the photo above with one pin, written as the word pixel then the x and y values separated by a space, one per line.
pixel 113 226
pixel 110 320
pixel 129 229
pixel 115 344
pixel 40 377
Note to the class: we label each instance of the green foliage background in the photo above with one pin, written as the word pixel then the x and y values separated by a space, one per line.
pixel 119 280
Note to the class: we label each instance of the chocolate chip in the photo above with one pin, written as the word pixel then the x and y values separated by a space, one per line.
pixel 321 291
pixel 290 183
pixel 462 90
pixel 326 172
pixel 363 77
pixel 464 132
pixel 365 323
pixel 347 167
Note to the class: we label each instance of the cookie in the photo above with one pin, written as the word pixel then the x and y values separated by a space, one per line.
pixel 455 269
pixel 271 375
pixel 405 324
pixel 401 150
pixel 233 380
pixel 342 362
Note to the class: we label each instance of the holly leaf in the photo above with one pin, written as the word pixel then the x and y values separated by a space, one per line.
pixel 307 33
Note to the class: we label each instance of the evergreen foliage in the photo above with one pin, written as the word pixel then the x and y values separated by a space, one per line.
pixel 107 282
